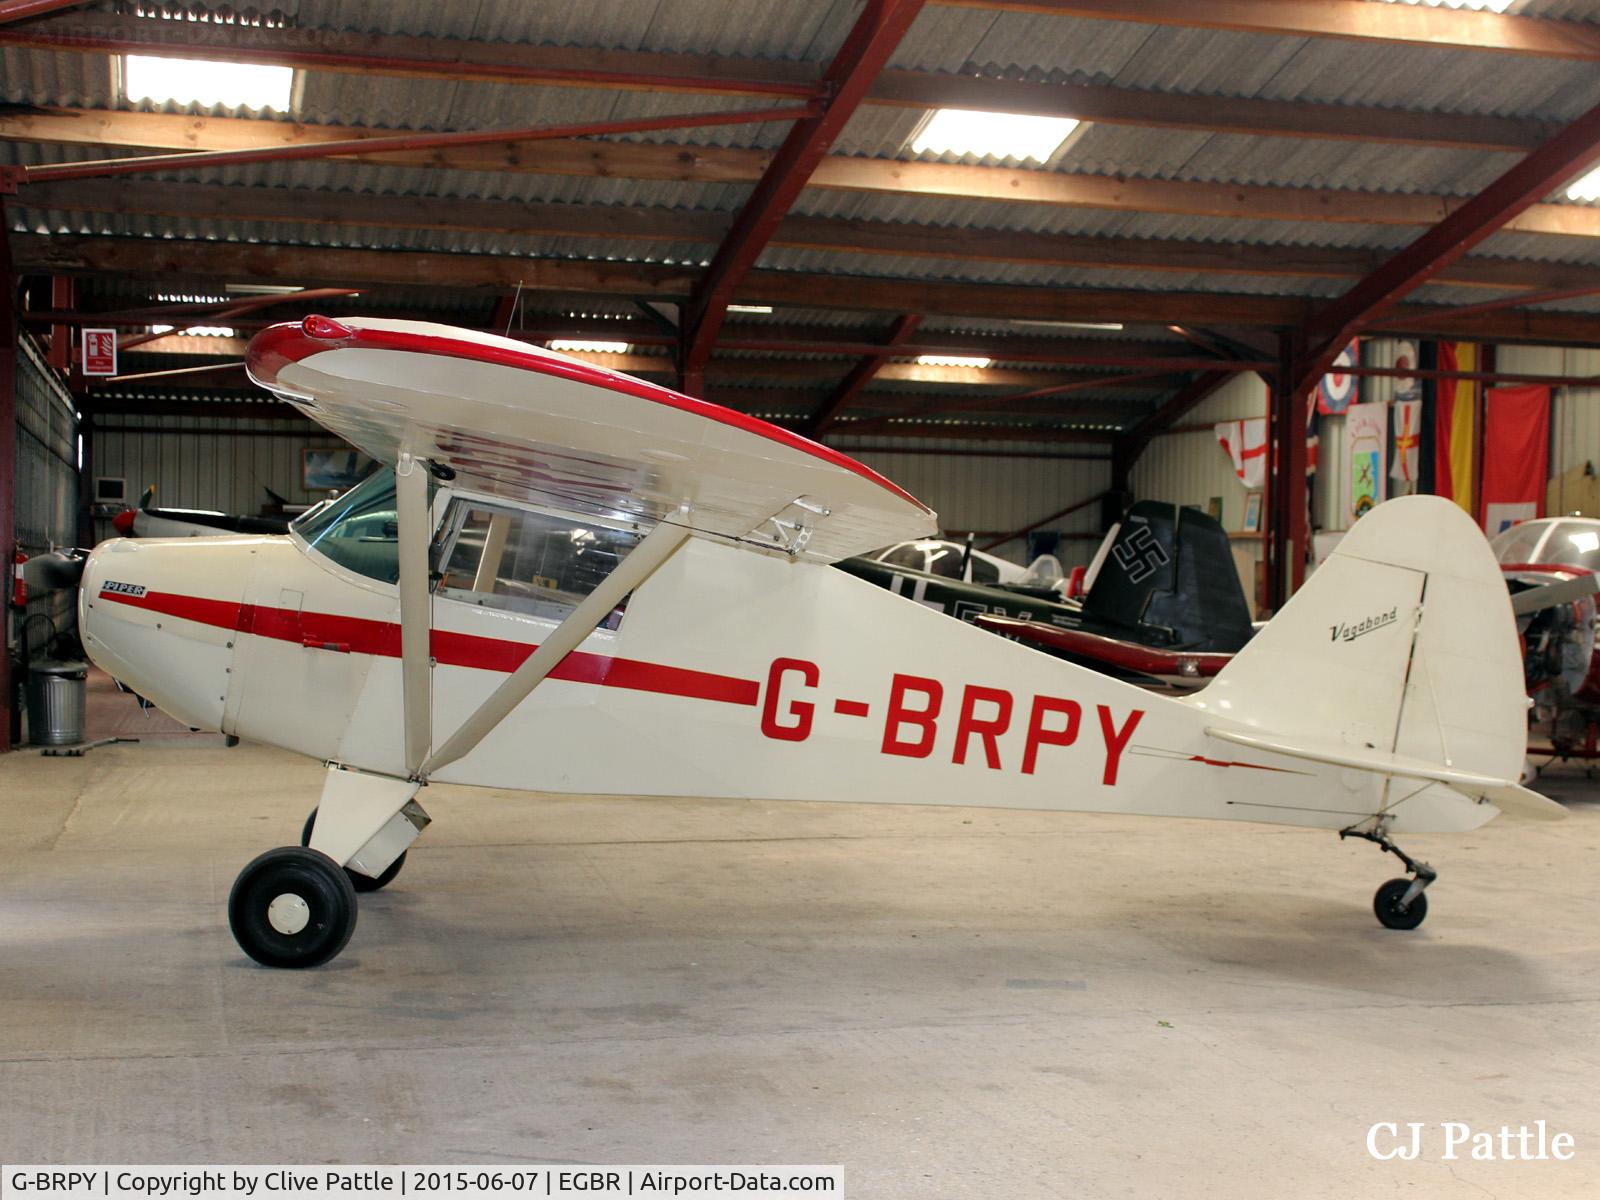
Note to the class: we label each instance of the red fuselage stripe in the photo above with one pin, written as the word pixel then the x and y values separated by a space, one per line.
pixel 365 636
pixel 1222 762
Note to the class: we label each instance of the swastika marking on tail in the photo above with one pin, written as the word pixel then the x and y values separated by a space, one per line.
pixel 1139 554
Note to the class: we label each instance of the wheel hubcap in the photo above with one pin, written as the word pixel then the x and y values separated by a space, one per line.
pixel 288 914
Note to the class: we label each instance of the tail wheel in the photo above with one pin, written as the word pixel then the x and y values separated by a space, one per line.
pixel 362 883
pixel 1387 905
pixel 292 907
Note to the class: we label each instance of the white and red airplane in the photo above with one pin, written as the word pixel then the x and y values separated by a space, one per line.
pixel 575 581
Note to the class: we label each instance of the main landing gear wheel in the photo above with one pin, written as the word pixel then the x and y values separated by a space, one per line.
pixel 1392 909
pixel 292 908
pixel 362 883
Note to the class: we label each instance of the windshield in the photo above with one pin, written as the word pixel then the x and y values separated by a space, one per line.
pixel 1517 544
pixel 359 530
pixel 1574 543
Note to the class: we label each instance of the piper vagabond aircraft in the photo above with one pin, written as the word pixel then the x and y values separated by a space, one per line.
pixel 574 581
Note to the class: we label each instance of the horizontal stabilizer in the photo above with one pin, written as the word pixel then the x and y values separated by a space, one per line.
pixel 1505 794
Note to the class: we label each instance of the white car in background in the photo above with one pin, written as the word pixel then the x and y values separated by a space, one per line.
pixel 941 556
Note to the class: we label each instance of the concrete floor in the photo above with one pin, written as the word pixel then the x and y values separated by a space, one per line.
pixel 950 1003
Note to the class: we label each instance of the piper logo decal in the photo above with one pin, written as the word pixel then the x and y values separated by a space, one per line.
pixel 122 589
pixel 1349 633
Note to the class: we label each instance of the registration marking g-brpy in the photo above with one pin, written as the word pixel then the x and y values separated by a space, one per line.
pixel 122 589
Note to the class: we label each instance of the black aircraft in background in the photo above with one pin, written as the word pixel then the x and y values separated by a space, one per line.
pixel 1162 606
pixel 149 521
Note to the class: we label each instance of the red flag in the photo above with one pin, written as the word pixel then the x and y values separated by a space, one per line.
pixel 1516 433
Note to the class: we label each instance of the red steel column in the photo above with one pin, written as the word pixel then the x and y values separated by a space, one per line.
pixel 1287 531
pixel 8 463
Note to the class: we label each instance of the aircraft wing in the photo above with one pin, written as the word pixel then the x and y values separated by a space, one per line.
pixel 514 420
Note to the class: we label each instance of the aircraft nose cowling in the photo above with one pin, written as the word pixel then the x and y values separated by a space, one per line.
pixel 161 615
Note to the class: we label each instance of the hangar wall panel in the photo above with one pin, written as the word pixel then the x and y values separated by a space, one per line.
pixel 1190 467
pixel 224 463
pixel 997 495
pixel 47 481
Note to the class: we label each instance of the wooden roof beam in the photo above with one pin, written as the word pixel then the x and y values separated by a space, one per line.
pixel 1345 20
pixel 310 265
pixel 717 164
pixel 214 202
pixel 364 54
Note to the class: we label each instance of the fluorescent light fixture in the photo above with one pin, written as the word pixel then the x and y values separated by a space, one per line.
pixel 1498 6
pixel 1113 326
pixel 586 346
pixel 1587 188
pixel 206 82
pixel 260 289
pixel 750 308
pixel 991 135
pixel 222 331
pixel 952 360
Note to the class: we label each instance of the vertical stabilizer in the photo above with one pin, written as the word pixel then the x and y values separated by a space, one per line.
pixel 1403 642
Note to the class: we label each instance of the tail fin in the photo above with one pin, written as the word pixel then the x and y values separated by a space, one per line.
pixel 1399 654
pixel 1171 568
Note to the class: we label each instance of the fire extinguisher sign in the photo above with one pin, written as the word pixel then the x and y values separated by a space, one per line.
pixel 99 351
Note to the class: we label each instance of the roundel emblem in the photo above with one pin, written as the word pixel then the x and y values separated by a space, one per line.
pixel 1338 386
pixel 1405 358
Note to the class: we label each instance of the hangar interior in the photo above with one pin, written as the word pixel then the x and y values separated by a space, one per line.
pixel 1272 261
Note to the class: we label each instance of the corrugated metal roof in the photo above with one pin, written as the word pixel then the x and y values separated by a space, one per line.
pixel 1043 275
pixel 1196 62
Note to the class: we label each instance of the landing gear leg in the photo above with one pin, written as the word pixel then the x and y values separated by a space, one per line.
pixel 296 906
pixel 1400 903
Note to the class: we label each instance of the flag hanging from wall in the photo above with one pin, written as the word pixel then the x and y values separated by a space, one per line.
pixel 1366 436
pixel 1516 430
pixel 1337 388
pixel 1407 440
pixel 1455 425
pixel 1245 442
pixel 1313 441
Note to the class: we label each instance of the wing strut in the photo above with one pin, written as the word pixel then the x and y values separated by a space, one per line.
pixel 645 558
pixel 416 617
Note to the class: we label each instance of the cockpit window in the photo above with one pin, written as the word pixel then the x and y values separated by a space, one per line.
pixel 527 562
pixel 944 558
pixel 359 530
pixel 906 556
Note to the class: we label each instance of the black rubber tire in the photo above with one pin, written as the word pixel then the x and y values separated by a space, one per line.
pixel 1387 905
pixel 361 883
pixel 314 878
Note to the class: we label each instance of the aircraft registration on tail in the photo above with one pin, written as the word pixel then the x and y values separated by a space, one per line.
pixel 570 580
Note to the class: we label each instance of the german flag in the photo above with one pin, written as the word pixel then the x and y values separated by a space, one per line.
pixel 1455 425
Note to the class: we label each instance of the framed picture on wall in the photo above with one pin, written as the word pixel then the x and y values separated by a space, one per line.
pixel 1214 509
pixel 1252 513
pixel 334 469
